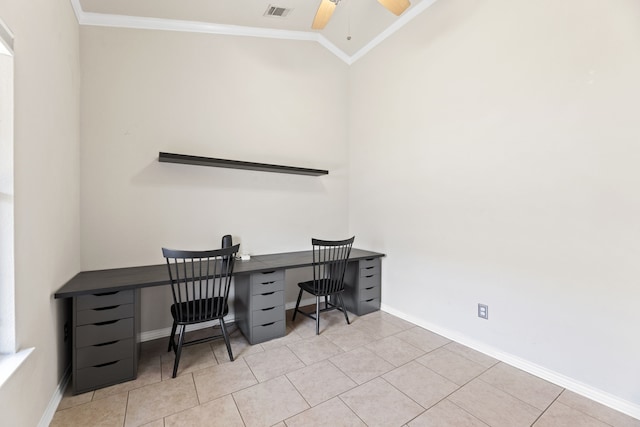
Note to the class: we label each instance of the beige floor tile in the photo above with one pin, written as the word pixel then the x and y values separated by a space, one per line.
pixel 446 414
pixel 402 324
pixel 378 403
pixel 273 363
pixel 102 413
pixel 149 372
pixel 240 348
pixel 420 383
pixel 154 348
pixel 526 387
pixel 422 338
pixel 494 406
pixel 451 365
pixel 161 399
pixel 221 412
pixel 270 402
pixel 320 382
pixel 193 358
pixel 219 380
pixel 348 338
pixel 69 400
pixel 314 349
pixel 395 351
pixel 330 414
pixel 597 410
pixel 156 423
pixel 377 327
pixel 361 365
pixel 471 354
pixel 560 415
pixel 290 337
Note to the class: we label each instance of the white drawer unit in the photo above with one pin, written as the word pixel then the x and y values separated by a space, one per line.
pixel 362 286
pixel 105 345
pixel 259 305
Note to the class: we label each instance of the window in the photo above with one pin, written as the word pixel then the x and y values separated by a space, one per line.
pixel 7 287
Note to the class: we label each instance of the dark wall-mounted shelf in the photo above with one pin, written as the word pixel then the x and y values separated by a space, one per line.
pixel 236 164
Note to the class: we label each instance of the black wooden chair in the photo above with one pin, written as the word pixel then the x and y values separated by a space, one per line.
pixel 330 260
pixel 200 282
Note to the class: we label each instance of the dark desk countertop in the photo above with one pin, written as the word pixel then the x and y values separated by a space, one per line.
pixel 120 279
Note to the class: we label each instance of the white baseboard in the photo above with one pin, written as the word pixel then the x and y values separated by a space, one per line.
pixel 561 380
pixel 48 414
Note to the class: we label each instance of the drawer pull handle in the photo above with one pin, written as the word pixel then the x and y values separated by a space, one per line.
pixel 268 272
pixel 108 322
pixel 106 364
pixel 267 309
pixel 369 300
pixel 106 308
pixel 370 288
pixel 268 324
pixel 106 343
pixel 269 283
pixel 369 259
pixel 368 268
pixel 268 293
pixel 368 277
pixel 106 293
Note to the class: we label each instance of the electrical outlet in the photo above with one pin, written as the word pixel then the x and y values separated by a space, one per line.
pixel 66 331
pixel 483 311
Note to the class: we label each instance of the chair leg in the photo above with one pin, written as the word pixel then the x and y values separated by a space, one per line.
pixel 326 301
pixel 178 351
pixel 317 315
pixel 225 334
pixel 295 311
pixel 172 343
pixel 344 310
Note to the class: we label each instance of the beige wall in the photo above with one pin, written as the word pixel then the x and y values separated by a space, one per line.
pixel 46 165
pixel 240 98
pixel 508 135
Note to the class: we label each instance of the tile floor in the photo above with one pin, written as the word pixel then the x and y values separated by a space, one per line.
pixel 380 371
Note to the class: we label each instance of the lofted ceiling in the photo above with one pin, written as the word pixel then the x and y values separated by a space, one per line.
pixel 365 22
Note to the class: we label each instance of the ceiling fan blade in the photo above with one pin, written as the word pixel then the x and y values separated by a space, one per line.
pixel 325 10
pixel 395 6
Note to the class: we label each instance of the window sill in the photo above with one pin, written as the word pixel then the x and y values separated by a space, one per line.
pixel 9 363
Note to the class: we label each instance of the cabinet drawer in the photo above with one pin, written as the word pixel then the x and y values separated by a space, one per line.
pixel 267 315
pixel 369 293
pixel 267 286
pixel 101 333
pixel 86 302
pixel 369 269
pixel 369 262
pixel 104 353
pixel 268 300
pixel 267 332
pixel 369 281
pixel 368 306
pixel 106 374
pixel 267 276
pixel 104 314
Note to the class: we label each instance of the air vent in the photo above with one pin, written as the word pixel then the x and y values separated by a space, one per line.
pixel 277 11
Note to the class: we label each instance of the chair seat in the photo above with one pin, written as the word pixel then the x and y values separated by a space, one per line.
pixel 200 310
pixel 319 289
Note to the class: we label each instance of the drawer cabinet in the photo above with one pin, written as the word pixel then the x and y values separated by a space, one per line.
pixel 105 339
pixel 259 305
pixel 362 286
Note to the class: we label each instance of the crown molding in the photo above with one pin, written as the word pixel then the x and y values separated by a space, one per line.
pixel 144 23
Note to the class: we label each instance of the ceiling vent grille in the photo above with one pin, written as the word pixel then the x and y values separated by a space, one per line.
pixel 277 11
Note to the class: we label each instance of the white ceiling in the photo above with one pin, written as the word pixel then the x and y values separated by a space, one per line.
pixel 366 21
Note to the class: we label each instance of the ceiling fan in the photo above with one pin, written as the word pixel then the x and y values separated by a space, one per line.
pixel 326 8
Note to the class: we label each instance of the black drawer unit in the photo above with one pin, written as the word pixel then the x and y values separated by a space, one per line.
pixel 362 286
pixel 106 347
pixel 259 305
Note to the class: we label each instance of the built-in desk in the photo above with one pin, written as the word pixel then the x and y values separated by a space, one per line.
pixel 106 308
